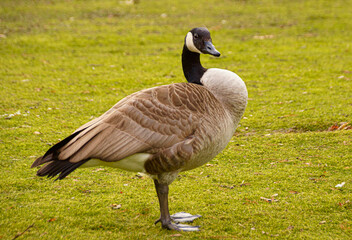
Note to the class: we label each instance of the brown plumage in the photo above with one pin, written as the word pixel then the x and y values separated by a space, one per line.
pixel 164 121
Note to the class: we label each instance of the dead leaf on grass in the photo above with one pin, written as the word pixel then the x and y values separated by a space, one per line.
pixel 52 220
pixel 333 127
pixel 270 200
pixel 341 126
pixel 115 206
pixel 344 126
pixel 341 204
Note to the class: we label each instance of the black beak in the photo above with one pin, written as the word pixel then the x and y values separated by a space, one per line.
pixel 210 49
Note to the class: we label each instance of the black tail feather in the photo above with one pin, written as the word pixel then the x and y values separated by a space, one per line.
pixel 53 166
pixel 52 153
pixel 56 167
pixel 70 169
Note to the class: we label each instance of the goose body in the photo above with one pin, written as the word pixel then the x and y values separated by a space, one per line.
pixel 160 131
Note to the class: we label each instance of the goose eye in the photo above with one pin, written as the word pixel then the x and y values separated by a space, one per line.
pixel 196 35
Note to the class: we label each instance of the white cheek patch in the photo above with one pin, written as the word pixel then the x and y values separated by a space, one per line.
pixel 190 44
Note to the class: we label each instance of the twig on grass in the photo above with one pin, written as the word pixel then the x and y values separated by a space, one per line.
pixel 20 234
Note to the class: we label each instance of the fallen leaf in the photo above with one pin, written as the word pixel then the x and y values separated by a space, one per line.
pixel 268 199
pixel 342 126
pixel 115 206
pixel 52 220
pixel 322 222
pixel 37 133
pixel 333 128
pixel 176 235
pixel 341 204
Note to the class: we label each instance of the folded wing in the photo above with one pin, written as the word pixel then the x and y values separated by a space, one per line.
pixel 161 121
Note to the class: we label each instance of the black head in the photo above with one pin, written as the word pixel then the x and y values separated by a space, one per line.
pixel 198 40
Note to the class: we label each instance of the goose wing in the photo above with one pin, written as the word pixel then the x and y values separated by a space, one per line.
pixel 161 121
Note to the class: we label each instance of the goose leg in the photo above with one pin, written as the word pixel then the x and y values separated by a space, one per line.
pixel 162 191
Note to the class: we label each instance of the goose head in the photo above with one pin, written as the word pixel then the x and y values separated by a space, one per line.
pixel 197 41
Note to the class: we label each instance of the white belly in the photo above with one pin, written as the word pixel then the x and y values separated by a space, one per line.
pixel 133 163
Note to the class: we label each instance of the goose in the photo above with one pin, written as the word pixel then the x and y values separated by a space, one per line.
pixel 160 131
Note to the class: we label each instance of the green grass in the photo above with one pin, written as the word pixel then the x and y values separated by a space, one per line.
pixel 65 62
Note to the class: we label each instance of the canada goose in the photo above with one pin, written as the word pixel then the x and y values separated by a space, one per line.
pixel 160 131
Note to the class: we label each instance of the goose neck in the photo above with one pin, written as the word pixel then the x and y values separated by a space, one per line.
pixel 192 68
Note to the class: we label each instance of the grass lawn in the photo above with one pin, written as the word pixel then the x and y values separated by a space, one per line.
pixel 65 62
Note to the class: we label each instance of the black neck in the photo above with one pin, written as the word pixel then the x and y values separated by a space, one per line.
pixel 192 68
